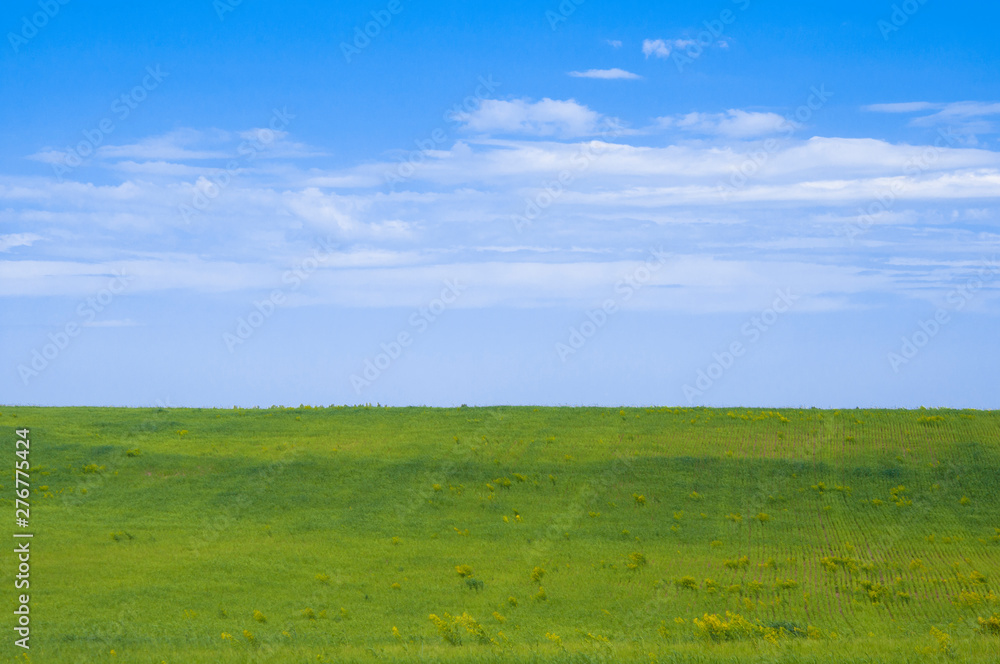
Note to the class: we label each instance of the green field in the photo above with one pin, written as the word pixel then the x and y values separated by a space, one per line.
pixel 364 534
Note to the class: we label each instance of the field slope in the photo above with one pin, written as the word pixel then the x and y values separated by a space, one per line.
pixel 510 534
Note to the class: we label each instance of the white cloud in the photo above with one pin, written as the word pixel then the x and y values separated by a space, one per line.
pixel 964 116
pixel 965 119
pixel 903 107
pixel 8 242
pixel 614 43
pixel 687 282
pixel 605 74
pixel 662 48
pixel 731 124
pixel 452 217
pixel 548 117
pixel 173 146
pixel 333 212
pixel 656 47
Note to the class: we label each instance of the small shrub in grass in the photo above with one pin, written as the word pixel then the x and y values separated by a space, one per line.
pixel 447 629
pixel 737 563
pixel 686 583
pixel 451 628
pixel 639 499
pixel 876 592
pixel 944 645
pixel 464 571
pixel 990 625
pixel 968 598
pixel 259 617
pixel 473 584
pixel 734 627
pixel 308 614
pixel 635 561
pixel 537 574
pixel 133 452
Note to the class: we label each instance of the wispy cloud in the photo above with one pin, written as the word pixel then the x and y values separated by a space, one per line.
pixel 966 117
pixel 662 48
pixel 733 123
pixel 8 242
pixel 605 74
pixel 902 107
pixel 452 213
pixel 548 117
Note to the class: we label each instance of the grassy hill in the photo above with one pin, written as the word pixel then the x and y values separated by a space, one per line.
pixel 510 534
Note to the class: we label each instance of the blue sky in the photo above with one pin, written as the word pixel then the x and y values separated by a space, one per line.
pixel 727 203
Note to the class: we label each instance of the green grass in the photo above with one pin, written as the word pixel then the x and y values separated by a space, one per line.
pixel 847 536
